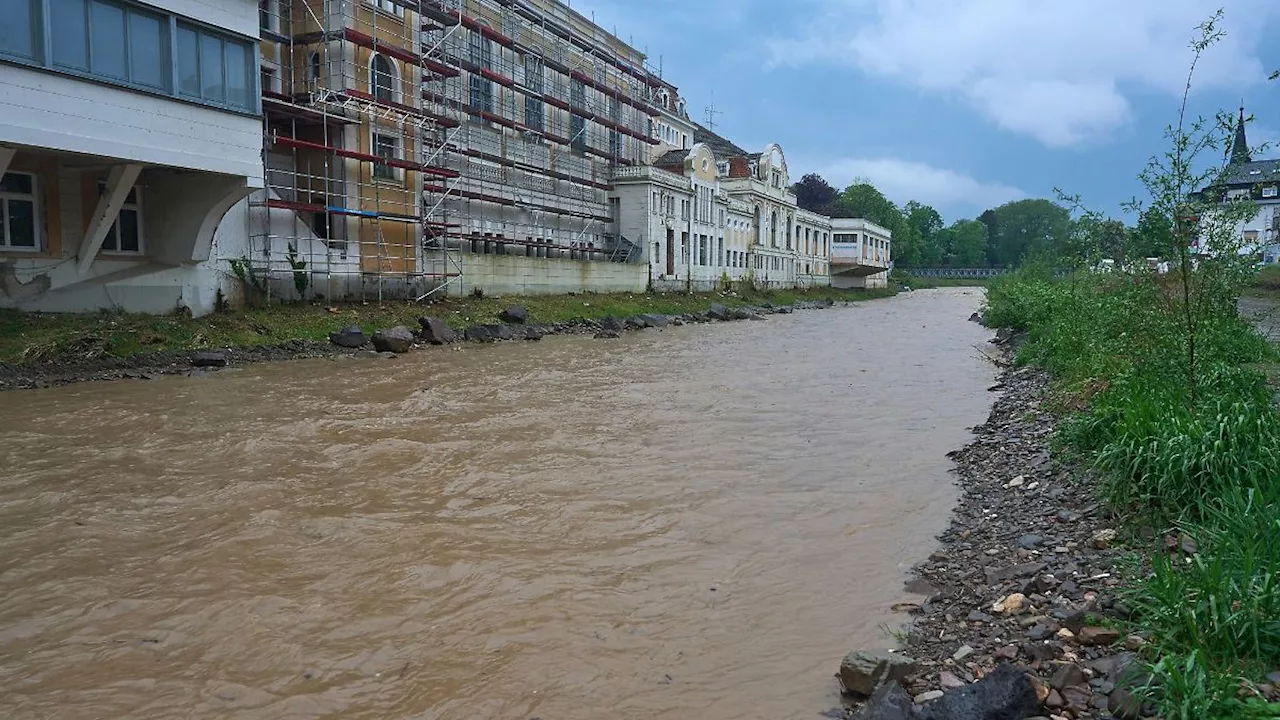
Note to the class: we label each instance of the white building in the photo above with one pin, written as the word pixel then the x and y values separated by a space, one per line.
pixel 860 254
pixel 1258 180
pixel 130 130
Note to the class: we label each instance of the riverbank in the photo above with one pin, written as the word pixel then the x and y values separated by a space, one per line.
pixel 1028 571
pixel 1115 537
pixel 44 349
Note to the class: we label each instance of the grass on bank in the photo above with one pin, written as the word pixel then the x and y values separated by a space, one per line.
pixel 1179 454
pixel 50 337
pixel 1266 283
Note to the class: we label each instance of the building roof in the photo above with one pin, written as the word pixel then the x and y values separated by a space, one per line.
pixel 1240 144
pixel 672 157
pixel 1248 173
pixel 720 146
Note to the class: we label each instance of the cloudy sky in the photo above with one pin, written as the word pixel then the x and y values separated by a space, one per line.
pixel 959 104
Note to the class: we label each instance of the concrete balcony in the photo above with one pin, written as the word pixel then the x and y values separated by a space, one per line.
pixel 857 260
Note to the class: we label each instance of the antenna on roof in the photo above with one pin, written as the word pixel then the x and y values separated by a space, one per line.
pixel 711 113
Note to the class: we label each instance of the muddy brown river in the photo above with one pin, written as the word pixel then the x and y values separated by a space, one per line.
pixel 689 523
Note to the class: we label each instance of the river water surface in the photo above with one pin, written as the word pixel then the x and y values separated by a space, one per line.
pixel 692 523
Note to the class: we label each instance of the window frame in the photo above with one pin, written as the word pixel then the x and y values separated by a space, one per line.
pixel 393 174
pixel 394 74
pixel 37 219
pixel 47 31
pixel 114 231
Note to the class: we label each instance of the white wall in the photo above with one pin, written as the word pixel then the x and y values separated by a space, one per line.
pixel 238 16
pixel 518 275
pixel 48 110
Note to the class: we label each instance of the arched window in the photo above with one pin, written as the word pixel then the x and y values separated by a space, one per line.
pixel 314 62
pixel 382 78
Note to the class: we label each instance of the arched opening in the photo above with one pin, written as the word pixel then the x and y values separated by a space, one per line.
pixel 382 78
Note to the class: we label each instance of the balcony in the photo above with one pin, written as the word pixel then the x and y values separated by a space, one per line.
pixel 857 260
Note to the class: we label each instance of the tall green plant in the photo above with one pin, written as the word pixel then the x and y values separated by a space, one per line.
pixel 1187 193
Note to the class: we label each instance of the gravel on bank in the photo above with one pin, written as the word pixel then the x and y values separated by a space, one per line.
pixel 145 366
pixel 1026 574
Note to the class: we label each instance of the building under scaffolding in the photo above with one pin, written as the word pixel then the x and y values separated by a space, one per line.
pixel 410 146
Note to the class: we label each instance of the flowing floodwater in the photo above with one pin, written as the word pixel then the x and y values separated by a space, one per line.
pixel 692 523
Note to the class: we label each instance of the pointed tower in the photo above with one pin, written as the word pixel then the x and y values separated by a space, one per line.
pixel 1240 146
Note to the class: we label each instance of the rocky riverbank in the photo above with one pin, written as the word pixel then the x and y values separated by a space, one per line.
pixel 515 323
pixel 1026 577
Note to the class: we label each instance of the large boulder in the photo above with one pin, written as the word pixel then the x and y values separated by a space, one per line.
pixel 653 320
pixel 478 333
pixel 350 336
pixel 500 331
pixel 636 322
pixel 533 332
pixel 862 671
pixel 209 358
pixel 436 332
pixel 717 312
pixel 516 314
pixel 890 702
pixel 396 340
pixel 1005 693
pixel 612 323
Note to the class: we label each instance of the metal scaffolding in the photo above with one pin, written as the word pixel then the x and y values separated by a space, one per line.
pixel 400 134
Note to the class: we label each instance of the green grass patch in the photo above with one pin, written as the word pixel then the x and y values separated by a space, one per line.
pixel 59 337
pixel 1187 451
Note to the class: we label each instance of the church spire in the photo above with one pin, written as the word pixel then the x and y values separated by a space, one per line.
pixel 1240 146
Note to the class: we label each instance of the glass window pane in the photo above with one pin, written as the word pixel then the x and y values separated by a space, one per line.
pixel 146 54
pixel 107 33
pixel 212 85
pixel 16 183
pixel 188 62
pixel 70 34
pixel 17 31
pixel 22 223
pixel 128 224
pixel 109 242
pixel 238 75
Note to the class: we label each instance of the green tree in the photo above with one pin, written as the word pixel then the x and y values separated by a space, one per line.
pixel 814 193
pixel 1025 228
pixel 968 243
pixel 863 200
pixel 925 222
pixel 1153 237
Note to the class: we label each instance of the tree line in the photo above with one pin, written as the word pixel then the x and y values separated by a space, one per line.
pixel 1004 236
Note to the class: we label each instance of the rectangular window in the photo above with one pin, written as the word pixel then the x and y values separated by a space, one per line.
pixel 1269 192
pixel 188 62
pixel 18 29
pixel 19 229
pixel 125 235
pixel 481 54
pixel 534 114
pixel 148 40
pixel 385 146
pixel 212 78
pixel 71 41
pixel 107 40
pixel 390 8
pixel 215 69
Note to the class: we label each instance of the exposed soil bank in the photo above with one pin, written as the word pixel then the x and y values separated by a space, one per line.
pixel 80 358
pixel 1026 573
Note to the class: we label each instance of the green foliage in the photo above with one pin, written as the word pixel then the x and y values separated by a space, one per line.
pixel 300 277
pixel 1268 278
pixel 968 244
pixel 1028 228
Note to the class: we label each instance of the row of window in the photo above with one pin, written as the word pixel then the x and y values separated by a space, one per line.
pixel 130 45
pixel 21 220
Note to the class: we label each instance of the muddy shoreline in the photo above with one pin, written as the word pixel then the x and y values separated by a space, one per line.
pixel 145 366
pixel 1026 575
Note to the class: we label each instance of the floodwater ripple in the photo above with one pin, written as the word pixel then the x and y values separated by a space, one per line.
pixel 692 523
